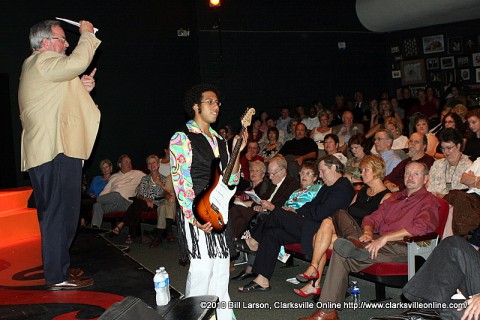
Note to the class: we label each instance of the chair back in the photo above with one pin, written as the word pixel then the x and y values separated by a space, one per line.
pixel 442 216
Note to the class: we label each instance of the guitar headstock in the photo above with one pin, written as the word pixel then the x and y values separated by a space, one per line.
pixel 247 117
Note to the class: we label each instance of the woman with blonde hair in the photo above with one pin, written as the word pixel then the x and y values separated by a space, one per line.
pixel 368 199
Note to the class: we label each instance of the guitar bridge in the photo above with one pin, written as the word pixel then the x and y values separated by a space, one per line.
pixel 215 208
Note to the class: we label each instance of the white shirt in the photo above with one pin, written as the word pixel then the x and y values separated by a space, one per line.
pixel 124 183
pixel 475 168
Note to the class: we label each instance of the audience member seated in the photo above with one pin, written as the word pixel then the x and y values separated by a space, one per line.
pixel 273 194
pixel 298 150
pixel 420 123
pixel 251 155
pixel 330 144
pixel 271 123
pixel 284 119
pixel 454 96
pixel 337 110
pixel 383 145
pixel 432 97
pixel 423 106
pixel 445 173
pixel 263 118
pixel 396 108
pixel 120 187
pixel 165 214
pixel 96 186
pixel 446 110
pixel 451 269
pixel 386 111
pixel 167 208
pixel 358 145
pixel 312 120
pixel 254 132
pixel 407 100
pixel 300 113
pixel 466 203
pixel 290 133
pixel 400 142
pixel 412 212
pixel 416 151
pixel 150 191
pixel 373 114
pixel 318 134
pixel 271 149
pixel 450 120
pixel 359 108
pixel 472 146
pixel 291 226
pixel 372 194
pixel 346 130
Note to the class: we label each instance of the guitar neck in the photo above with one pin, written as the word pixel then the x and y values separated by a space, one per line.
pixel 233 157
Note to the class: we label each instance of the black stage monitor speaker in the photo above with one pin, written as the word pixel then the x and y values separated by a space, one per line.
pixel 130 308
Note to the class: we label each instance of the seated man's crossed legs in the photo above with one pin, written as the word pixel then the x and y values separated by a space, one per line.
pixel 106 203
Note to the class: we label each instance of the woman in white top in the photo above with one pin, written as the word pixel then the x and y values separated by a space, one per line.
pixel 318 134
pixel 399 141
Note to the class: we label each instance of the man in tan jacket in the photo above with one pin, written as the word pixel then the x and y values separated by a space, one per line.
pixel 60 123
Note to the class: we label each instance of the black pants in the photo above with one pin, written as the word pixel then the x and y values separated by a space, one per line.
pixel 133 217
pixel 57 185
pixel 453 265
pixel 279 228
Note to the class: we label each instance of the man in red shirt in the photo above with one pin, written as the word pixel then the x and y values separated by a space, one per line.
pixel 411 212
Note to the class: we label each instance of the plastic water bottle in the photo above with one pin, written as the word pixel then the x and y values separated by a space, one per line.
pixel 355 292
pixel 167 281
pixel 159 282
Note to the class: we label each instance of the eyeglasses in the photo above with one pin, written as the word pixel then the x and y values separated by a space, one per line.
pixel 376 139
pixel 307 173
pixel 62 40
pixel 447 148
pixel 272 174
pixel 211 102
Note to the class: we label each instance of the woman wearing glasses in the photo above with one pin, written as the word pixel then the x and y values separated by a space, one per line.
pixel 450 120
pixel 372 194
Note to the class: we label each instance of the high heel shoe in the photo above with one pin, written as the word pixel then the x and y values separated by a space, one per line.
pixel 306 295
pixel 303 277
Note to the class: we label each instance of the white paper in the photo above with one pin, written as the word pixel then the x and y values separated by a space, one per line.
pixel 253 196
pixel 74 23
pixel 240 203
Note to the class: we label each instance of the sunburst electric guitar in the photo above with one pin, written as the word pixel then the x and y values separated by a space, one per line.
pixel 211 205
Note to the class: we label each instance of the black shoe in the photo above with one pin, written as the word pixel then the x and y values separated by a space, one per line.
pixel 243 275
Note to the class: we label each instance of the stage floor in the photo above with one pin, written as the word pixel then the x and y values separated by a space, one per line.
pixel 116 275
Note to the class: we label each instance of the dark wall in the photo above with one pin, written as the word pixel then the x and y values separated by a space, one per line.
pixel 143 68
pixel 268 54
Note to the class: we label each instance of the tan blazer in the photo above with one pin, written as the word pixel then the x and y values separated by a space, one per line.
pixel 58 115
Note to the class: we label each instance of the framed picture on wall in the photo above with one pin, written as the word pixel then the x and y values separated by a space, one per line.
pixel 463 61
pixel 470 44
pixel 396 74
pixel 413 71
pixel 414 90
pixel 477 75
pixel 455 45
pixel 464 74
pixel 447 62
pixel 432 44
pixel 435 77
pixel 449 76
pixel 433 64
pixel 410 48
pixel 476 59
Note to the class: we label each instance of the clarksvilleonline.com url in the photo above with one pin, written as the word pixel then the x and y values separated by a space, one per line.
pixel 392 305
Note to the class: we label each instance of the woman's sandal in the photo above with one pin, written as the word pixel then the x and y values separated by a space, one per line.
pixel 302 293
pixel 116 230
pixel 303 277
pixel 129 240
